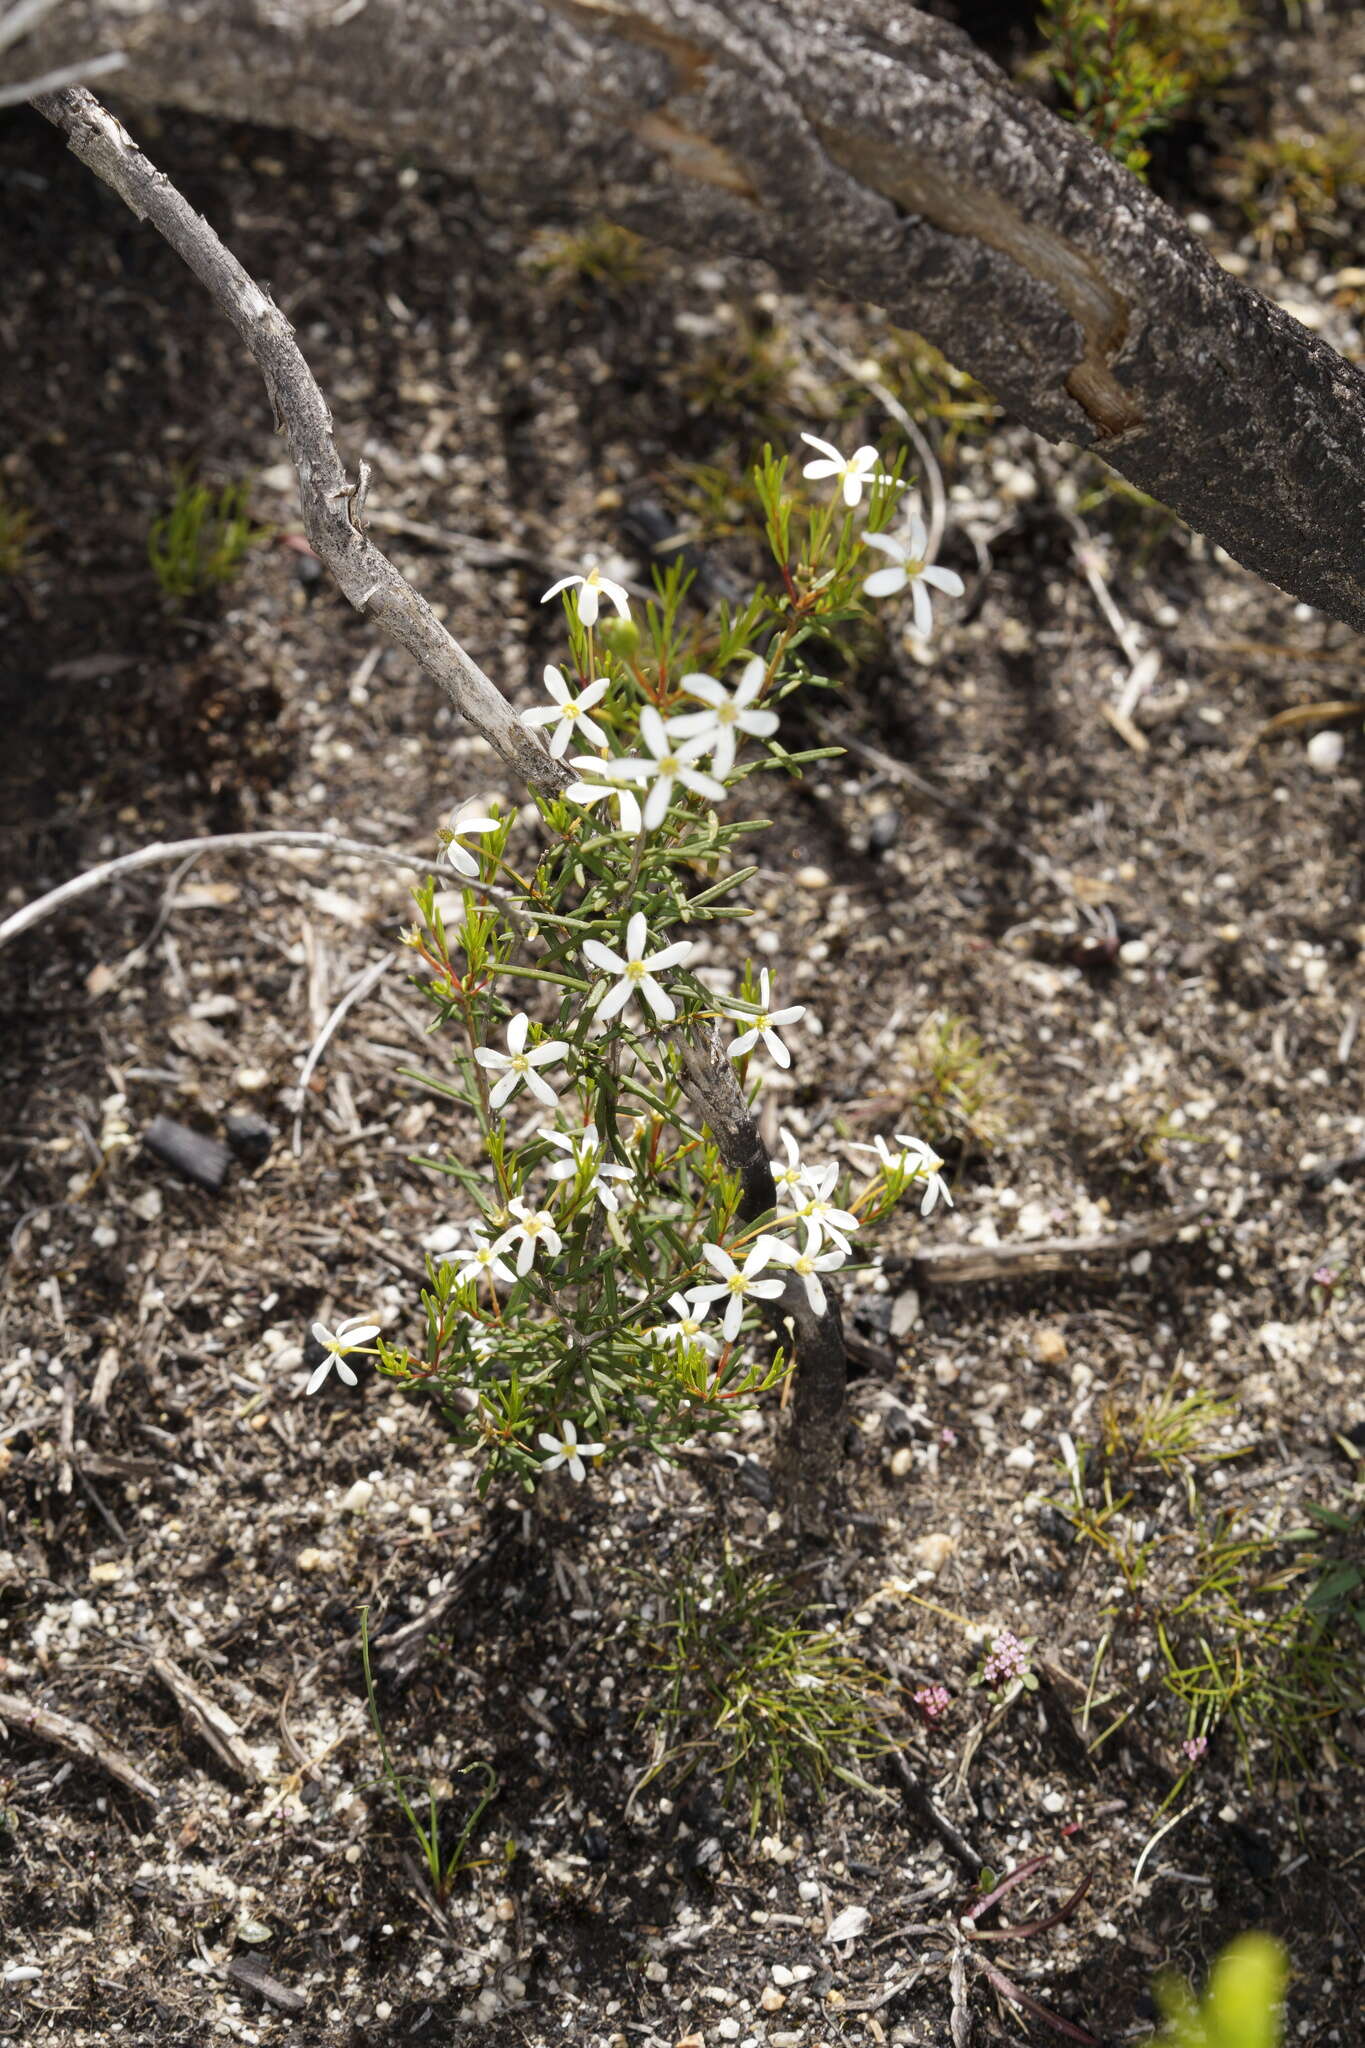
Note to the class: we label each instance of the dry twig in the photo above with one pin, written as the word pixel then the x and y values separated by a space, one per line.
pixel 78 1739
pixel 206 1719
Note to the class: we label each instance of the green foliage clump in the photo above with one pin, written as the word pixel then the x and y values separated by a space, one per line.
pixel 584 1317
pixel 16 535
pixel 1292 185
pixel 1128 68
pixel 958 1091
pixel 1254 1630
pixel 598 257
pixel 443 1861
pixel 748 1687
pixel 200 541
pixel 1242 2005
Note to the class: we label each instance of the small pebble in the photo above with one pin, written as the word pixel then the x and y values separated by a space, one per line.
pixel 357 1498
pixel 1325 750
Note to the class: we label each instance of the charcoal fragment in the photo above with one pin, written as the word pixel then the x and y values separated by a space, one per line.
pixel 205 1161
pixel 249 1134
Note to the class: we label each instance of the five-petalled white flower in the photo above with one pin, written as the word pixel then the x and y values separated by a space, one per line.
pixel 568 714
pixel 765 1025
pixel 910 566
pixel 927 1167
pixel 583 1148
pixel 531 1229
pixel 466 823
pixel 671 761
pixel 726 716
pixel 737 1284
pixel 854 472
pixel 813 1206
pixel 788 1177
pixel 637 970
pixel 567 1450
pixel 486 1261
pixel 598 782
pixel 353 1333
pixel 592 588
pixel 686 1325
pixel 516 1065
pixel 808 1263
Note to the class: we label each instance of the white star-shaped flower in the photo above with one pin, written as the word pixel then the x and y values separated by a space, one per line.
pixel 813 1206
pixel 737 1284
pixel 568 714
pixel 880 1151
pixel 636 971
pixel 855 472
pixel 671 762
pixel 791 1176
pixel 686 1325
pixel 583 1147
pixel 598 782
pixel 765 1025
pixel 487 1262
pixel 910 566
pixel 352 1334
pixel 726 715
pixel 466 823
pixel 928 1167
pixel 592 588
pixel 808 1263
pixel 567 1450
pixel 532 1228
pixel 516 1065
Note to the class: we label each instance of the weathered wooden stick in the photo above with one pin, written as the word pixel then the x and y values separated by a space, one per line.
pixel 78 1739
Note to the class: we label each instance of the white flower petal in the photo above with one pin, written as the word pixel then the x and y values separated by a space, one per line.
pixel 659 1000
pixel 885 582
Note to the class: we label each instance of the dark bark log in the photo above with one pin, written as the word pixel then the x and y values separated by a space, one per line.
pixel 855 142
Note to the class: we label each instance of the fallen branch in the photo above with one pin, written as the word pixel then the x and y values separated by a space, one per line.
pixel 332 506
pixel 158 854
pixel 78 1739
pixel 867 146
pixel 924 1809
pixel 206 1719
pixel 962 1265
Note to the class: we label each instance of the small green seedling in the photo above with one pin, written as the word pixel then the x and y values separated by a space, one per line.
pixel 200 542
pixel 442 1866
pixel 1242 2006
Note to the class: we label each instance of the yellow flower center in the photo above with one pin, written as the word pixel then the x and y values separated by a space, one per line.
pixel 727 714
pixel 737 1283
pixel 668 764
pixel 636 970
pixel 519 1063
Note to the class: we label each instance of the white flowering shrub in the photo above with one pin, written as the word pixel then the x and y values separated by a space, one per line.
pixel 613 1289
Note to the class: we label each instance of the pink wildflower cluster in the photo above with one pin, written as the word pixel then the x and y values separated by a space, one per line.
pixel 1008 1659
pixel 933 1701
pixel 1195 1747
